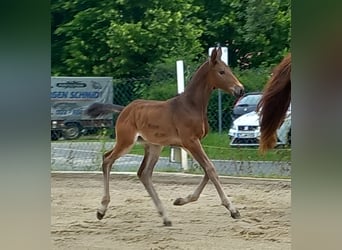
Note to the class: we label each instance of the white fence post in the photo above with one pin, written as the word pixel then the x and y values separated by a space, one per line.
pixel 180 88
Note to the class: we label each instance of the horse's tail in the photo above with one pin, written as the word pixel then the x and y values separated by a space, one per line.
pixel 97 109
pixel 274 104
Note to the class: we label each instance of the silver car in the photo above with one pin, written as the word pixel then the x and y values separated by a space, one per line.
pixel 245 130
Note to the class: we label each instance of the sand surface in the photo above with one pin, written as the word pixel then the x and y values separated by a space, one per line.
pixel 132 222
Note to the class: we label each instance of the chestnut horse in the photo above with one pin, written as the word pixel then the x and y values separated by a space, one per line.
pixel 180 121
pixel 274 103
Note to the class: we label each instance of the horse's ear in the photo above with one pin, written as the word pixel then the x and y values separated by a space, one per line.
pixel 219 53
pixel 215 55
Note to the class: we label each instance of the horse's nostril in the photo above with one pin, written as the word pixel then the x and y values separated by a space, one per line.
pixel 239 91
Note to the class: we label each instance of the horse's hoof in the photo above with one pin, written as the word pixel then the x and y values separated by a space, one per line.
pixel 235 215
pixel 179 202
pixel 167 223
pixel 99 215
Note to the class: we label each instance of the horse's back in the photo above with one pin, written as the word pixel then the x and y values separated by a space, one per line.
pixel 152 120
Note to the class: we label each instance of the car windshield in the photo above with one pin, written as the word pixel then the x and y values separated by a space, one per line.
pixel 250 100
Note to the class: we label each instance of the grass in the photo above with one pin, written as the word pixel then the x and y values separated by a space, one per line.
pixel 217 147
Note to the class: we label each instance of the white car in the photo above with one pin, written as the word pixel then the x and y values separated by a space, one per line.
pixel 245 130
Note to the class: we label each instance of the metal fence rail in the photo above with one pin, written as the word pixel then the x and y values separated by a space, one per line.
pixel 87 156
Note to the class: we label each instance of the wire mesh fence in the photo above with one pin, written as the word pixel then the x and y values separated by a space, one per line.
pixel 85 153
pixel 219 107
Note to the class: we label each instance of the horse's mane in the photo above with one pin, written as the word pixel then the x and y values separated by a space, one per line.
pixel 274 103
pixel 200 71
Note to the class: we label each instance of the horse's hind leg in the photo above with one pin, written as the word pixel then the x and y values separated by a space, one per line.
pixel 151 157
pixel 108 160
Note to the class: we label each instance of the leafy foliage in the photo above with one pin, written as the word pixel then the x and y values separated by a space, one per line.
pixel 121 38
pixel 138 42
pixel 129 38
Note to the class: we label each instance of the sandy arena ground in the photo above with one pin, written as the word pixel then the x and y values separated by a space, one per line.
pixel 132 222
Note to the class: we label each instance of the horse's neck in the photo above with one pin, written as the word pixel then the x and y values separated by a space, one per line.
pixel 198 90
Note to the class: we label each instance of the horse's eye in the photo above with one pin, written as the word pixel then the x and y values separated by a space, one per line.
pixel 221 72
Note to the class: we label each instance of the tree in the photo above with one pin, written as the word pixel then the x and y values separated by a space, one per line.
pixel 138 42
pixel 257 32
pixel 263 33
pixel 122 38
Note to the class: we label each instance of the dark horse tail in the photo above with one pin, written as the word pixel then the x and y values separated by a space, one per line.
pixel 274 104
pixel 97 109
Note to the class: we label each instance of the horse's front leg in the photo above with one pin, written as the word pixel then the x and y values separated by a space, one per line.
pixel 195 195
pixel 195 148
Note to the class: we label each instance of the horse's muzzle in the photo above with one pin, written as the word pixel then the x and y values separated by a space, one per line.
pixel 239 91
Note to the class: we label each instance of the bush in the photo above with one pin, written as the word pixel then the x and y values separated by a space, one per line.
pixel 253 79
pixel 160 91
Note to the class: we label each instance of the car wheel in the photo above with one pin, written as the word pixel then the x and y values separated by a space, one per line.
pixel 71 131
pixel 55 135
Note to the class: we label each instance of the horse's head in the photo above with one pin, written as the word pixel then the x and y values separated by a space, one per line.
pixel 221 76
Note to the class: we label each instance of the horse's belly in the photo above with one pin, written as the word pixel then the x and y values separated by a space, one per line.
pixel 159 137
